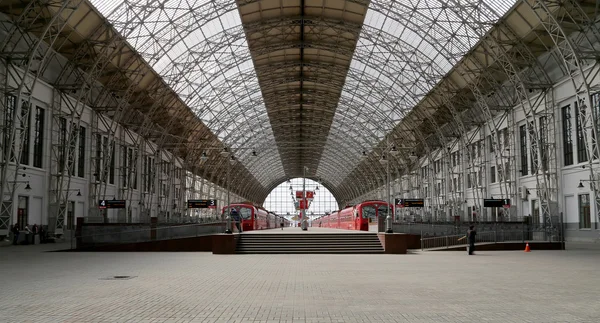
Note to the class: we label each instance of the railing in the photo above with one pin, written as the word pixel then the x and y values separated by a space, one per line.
pixel 100 235
pixel 450 228
pixel 449 241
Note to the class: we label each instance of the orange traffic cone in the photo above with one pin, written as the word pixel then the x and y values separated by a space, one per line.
pixel 527 249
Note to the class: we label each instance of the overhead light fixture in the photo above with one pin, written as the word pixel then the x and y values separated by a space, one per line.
pixel 291 188
pixel 394 151
pixel 232 159
pixel 79 193
pixel 27 187
pixel 364 154
pixel 317 188
pixel 204 156
pixel 580 184
pixel 225 151
pixel 383 159
pixel 254 153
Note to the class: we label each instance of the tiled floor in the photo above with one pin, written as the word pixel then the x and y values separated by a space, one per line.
pixel 542 286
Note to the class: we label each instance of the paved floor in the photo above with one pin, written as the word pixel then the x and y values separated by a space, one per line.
pixel 542 286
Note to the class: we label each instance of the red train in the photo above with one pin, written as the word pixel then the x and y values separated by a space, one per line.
pixel 357 217
pixel 254 217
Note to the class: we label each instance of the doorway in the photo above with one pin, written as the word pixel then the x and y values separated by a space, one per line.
pixel 23 212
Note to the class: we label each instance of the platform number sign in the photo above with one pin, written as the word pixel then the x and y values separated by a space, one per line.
pixel 111 204
pixel 496 203
pixel 202 204
pixel 410 202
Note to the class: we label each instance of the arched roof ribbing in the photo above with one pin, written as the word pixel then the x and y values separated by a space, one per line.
pixel 308 84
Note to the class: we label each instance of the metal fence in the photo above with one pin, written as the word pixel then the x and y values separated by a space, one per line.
pixel 450 228
pixel 103 235
pixel 448 241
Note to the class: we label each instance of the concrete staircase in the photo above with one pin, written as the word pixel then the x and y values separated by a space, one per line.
pixel 309 243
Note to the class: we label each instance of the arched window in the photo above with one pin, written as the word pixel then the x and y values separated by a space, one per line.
pixel 282 199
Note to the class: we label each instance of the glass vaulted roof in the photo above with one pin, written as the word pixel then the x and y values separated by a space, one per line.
pixel 311 84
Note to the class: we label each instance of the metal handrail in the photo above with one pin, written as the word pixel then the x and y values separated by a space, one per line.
pixel 157 228
pixel 448 241
pixel 156 233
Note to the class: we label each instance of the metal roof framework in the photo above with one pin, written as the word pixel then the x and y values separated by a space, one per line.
pixel 301 82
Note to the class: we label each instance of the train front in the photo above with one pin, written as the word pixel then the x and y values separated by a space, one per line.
pixel 373 213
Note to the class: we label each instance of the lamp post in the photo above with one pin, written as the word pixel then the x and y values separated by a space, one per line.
pixel 228 229
pixel 388 218
pixel 304 220
pixel 392 150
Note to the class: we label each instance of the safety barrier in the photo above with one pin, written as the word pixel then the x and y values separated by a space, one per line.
pixel 448 241
pixel 94 235
pixel 450 228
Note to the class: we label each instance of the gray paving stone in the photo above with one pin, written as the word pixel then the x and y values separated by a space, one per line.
pixel 542 286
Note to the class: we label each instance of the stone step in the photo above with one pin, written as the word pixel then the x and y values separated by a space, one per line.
pixel 300 237
pixel 309 245
pixel 311 252
pixel 295 243
pixel 318 239
pixel 326 243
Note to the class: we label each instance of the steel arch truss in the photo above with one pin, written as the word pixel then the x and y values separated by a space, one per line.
pixel 301 84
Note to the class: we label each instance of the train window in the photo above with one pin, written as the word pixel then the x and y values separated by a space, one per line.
pixel 246 213
pixel 368 212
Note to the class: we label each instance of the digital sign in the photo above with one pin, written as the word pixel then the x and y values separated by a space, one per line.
pixel 202 204
pixel 496 202
pixel 111 204
pixel 410 202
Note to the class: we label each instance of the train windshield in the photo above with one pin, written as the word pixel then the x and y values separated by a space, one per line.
pixel 383 211
pixel 368 212
pixel 245 213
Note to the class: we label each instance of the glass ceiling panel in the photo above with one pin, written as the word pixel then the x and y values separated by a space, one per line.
pixel 430 31
pixel 199 49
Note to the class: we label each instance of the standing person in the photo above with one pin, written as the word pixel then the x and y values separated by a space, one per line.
pixel 281 224
pixel 237 219
pixel 15 231
pixel 42 234
pixel 27 234
pixel 471 234
pixel 35 231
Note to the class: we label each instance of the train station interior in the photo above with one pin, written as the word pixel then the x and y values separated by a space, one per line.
pixel 299 160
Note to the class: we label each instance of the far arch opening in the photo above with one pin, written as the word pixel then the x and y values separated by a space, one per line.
pixel 281 199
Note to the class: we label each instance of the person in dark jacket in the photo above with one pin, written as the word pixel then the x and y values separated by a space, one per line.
pixel 471 234
pixel 235 216
pixel 15 231
pixel 35 231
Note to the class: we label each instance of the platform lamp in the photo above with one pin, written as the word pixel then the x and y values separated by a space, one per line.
pixel 304 224
pixel 231 160
pixel 392 150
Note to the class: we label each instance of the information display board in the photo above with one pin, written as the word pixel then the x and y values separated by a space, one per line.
pixel 202 204
pixel 496 202
pixel 410 202
pixel 309 195
pixel 111 204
